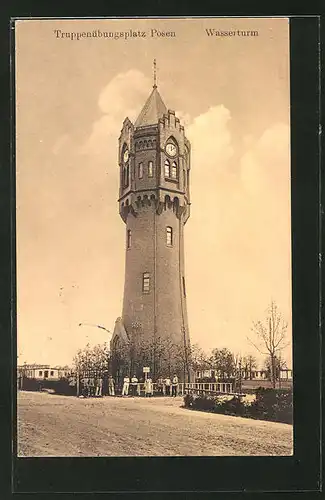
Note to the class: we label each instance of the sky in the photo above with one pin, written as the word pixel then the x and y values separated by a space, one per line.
pixel 72 95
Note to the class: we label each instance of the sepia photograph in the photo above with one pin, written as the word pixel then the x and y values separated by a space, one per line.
pixel 153 237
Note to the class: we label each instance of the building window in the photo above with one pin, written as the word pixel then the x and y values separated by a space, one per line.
pixel 129 238
pixel 52 373
pixel 46 373
pixel 174 170
pixel 40 373
pixel 146 283
pixel 169 236
pixel 140 170
pixel 184 289
pixel 167 167
pixel 126 176
pixel 150 169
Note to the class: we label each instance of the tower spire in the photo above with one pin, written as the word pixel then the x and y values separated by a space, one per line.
pixel 154 74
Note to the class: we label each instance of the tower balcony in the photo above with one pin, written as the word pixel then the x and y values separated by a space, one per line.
pixel 160 199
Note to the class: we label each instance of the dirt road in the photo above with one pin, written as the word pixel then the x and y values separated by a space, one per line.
pixel 50 425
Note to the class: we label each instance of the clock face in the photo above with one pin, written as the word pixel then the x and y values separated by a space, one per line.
pixel 126 156
pixel 171 149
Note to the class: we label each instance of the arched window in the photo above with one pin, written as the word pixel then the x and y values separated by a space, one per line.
pixel 167 168
pixel 174 170
pixel 125 176
pixel 169 236
pixel 129 238
pixel 150 169
pixel 140 170
pixel 146 282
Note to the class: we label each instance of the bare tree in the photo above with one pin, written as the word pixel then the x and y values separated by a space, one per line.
pixel 271 337
pixel 249 363
pixel 200 360
pixel 94 360
pixel 279 365
pixel 183 362
pixel 237 368
pixel 120 359
pixel 223 361
pixel 169 355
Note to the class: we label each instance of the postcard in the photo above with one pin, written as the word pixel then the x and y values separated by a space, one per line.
pixel 153 218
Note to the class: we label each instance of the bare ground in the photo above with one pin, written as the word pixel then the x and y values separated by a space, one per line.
pixel 51 425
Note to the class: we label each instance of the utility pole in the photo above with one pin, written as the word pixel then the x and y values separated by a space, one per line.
pixel 78 383
pixel 186 367
pixel 23 375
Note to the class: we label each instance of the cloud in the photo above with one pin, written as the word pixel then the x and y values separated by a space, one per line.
pixel 212 150
pixel 123 96
pixel 210 137
pixel 123 92
pixel 265 165
pixel 103 138
pixel 184 118
pixel 60 144
pixel 238 237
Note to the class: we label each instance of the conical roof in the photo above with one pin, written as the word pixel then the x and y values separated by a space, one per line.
pixel 153 109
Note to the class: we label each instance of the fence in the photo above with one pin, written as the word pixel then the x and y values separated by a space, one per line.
pixel 190 388
pixel 208 388
pixel 76 386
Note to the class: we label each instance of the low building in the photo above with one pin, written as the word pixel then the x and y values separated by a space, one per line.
pixel 42 372
pixel 205 374
pixel 286 374
pixel 256 375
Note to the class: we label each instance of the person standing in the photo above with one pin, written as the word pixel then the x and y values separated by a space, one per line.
pixel 174 385
pixel 134 385
pixel 96 386
pixel 160 386
pixel 99 387
pixel 148 387
pixel 111 386
pixel 126 383
pixel 87 387
pixel 167 386
pixel 92 387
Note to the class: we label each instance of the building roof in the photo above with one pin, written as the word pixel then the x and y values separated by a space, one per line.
pixel 153 109
pixel 34 366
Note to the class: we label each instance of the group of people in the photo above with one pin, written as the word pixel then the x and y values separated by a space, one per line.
pixel 135 385
pixel 167 386
pixel 92 387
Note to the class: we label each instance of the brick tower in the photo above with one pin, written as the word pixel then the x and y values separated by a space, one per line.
pixel 154 204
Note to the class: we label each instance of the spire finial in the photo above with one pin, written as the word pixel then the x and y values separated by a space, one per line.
pixel 154 74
